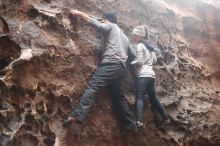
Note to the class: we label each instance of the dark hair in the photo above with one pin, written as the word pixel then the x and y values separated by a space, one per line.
pixel 146 33
pixel 111 17
pixel 148 45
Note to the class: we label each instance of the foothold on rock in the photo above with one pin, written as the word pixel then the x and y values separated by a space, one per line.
pixel 26 54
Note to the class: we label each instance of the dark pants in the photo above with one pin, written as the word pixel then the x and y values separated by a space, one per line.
pixel 146 85
pixel 110 76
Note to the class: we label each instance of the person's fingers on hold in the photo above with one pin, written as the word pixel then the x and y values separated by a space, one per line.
pixel 75 12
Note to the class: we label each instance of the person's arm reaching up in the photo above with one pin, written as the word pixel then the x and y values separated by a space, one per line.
pixel 81 14
pixel 100 26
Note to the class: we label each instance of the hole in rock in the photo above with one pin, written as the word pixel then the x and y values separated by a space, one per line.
pixel 3 63
pixel 49 142
pixel 33 13
pixel 29 119
pixel 3 139
pixel 3 26
pixel 9 51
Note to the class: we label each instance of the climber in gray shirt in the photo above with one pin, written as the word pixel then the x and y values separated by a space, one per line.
pixel 115 43
pixel 115 51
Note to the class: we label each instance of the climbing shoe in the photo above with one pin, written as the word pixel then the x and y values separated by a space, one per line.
pixel 140 124
pixel 70 120
pixel 163 125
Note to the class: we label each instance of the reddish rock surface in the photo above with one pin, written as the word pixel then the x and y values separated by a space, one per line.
pixel 36 94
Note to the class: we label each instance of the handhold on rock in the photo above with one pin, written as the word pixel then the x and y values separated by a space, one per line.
pixel 26 54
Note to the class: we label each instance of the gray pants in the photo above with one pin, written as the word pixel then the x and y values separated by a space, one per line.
pixel 111 76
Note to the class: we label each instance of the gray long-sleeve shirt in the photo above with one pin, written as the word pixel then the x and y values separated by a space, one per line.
pixel 115 44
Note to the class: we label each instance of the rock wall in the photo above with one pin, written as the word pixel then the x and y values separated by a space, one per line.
pixel 40 89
